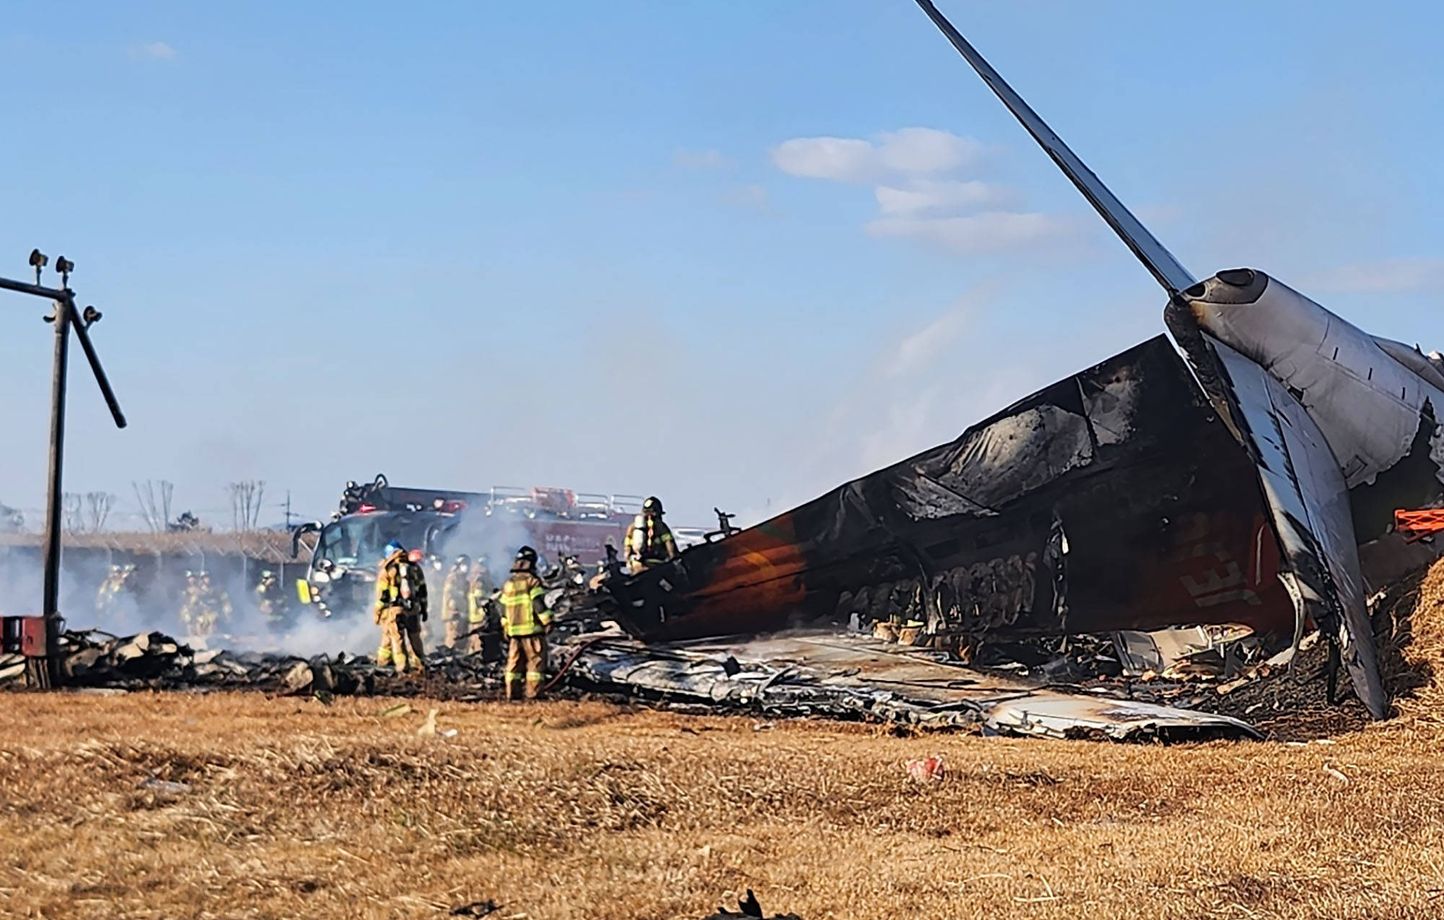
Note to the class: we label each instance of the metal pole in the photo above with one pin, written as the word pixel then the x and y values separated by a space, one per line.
pixel 51 609
pixel 47 671
pixel 79 324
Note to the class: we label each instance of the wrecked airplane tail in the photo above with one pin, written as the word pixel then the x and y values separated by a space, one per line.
pixel 1310 446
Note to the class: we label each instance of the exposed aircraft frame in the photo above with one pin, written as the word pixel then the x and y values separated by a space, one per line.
pixel 1233 484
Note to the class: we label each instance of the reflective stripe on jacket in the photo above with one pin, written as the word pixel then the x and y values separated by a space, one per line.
pixel 524 611
pixel 650 540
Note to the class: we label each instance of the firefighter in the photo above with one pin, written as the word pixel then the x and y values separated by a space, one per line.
pixel 271 601
pixel 649 540
pixel 389 605
pixel 525 620
pixel 392 587
pixel 108 594
pixel 413 626
pixel 454 596
pixel 187 599
pixel 478 605
pixel 206 607
pixel 112 589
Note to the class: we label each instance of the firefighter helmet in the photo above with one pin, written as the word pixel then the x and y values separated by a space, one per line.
pixel 653 505
pixel 526 557
pixel 463 560
pixel 394 547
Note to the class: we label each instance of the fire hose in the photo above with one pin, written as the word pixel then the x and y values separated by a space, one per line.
pixel 571 660
pixel 561 672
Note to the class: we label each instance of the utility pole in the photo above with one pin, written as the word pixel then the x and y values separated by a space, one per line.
pixel 65 318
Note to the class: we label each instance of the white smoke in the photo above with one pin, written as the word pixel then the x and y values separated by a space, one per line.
pixel 153 599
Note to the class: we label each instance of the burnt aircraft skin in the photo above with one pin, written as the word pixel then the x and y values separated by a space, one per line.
pixel 1376 401
pixel 1318 431
pixel 1109 500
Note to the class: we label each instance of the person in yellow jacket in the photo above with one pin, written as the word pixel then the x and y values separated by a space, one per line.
pixel 206 607
pixel 454 597
pixel 649 540
pixel 478 605
pixel 398 600
pixel 525 620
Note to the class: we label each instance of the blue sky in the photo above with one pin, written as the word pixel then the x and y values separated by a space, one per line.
pixel 603 246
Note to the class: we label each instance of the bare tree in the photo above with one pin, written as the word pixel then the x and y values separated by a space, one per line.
pixel 154 498
pixel 167 489
pixel 146 499
pixel 72 520
pixel 98 506
pixel 246 499
pixel 11 520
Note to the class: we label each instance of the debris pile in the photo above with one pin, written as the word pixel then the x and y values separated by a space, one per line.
pixel 1187 684
pixel 1284 695
pixel 155 661
pixel 847 676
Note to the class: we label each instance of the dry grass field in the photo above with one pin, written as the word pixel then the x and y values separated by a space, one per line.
pixel 191 806
pixel 291 809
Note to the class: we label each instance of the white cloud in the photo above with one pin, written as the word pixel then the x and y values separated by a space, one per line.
pixel 840 159
pixel 156 51
pixel 905 152
pixel 753 196
pixel 926 196
pixel 989 231
pixel 1385 276
pixel 922 193
pixel 918 350
pixel 701 159
pixel 926 151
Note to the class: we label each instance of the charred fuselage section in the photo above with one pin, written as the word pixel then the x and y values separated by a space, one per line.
pixel 1112 499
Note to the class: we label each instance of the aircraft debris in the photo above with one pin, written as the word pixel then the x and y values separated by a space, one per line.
pixel 748 907
pixel 162 787
pixel 848 676
pixel 818 674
